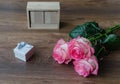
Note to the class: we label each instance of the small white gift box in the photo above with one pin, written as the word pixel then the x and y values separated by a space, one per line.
pixel 23 51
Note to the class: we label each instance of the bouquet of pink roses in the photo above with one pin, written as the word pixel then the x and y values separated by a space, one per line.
pixel 81 51
pixel 85 47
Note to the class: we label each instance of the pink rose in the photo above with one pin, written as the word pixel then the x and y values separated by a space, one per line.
pixel 60 52
pixel 87 66
pixel 80 48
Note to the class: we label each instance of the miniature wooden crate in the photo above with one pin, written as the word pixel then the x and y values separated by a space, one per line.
pixel 43 15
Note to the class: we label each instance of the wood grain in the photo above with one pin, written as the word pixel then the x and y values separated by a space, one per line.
pixel 41 68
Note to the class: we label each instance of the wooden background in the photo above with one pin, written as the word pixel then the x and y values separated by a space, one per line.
pixel 41 68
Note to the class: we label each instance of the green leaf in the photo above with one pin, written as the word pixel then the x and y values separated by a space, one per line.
pixel 112 42
pixel 86 30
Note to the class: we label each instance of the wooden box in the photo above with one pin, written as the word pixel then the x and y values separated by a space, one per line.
pixel 43 15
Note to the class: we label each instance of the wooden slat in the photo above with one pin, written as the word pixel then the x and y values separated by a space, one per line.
pixel 36 17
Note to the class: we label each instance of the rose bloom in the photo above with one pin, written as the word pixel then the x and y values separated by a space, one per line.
pixel 60 52
pixel 87 66
pixel 80 48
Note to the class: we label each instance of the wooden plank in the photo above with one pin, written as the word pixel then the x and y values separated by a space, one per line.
pixel 45 26
pixel 52 17
pixel 43 6
pixel 36 17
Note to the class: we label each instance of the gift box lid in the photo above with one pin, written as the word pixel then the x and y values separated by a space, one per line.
pixel 23 48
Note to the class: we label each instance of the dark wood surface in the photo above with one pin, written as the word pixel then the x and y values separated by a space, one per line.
pixel 41 68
